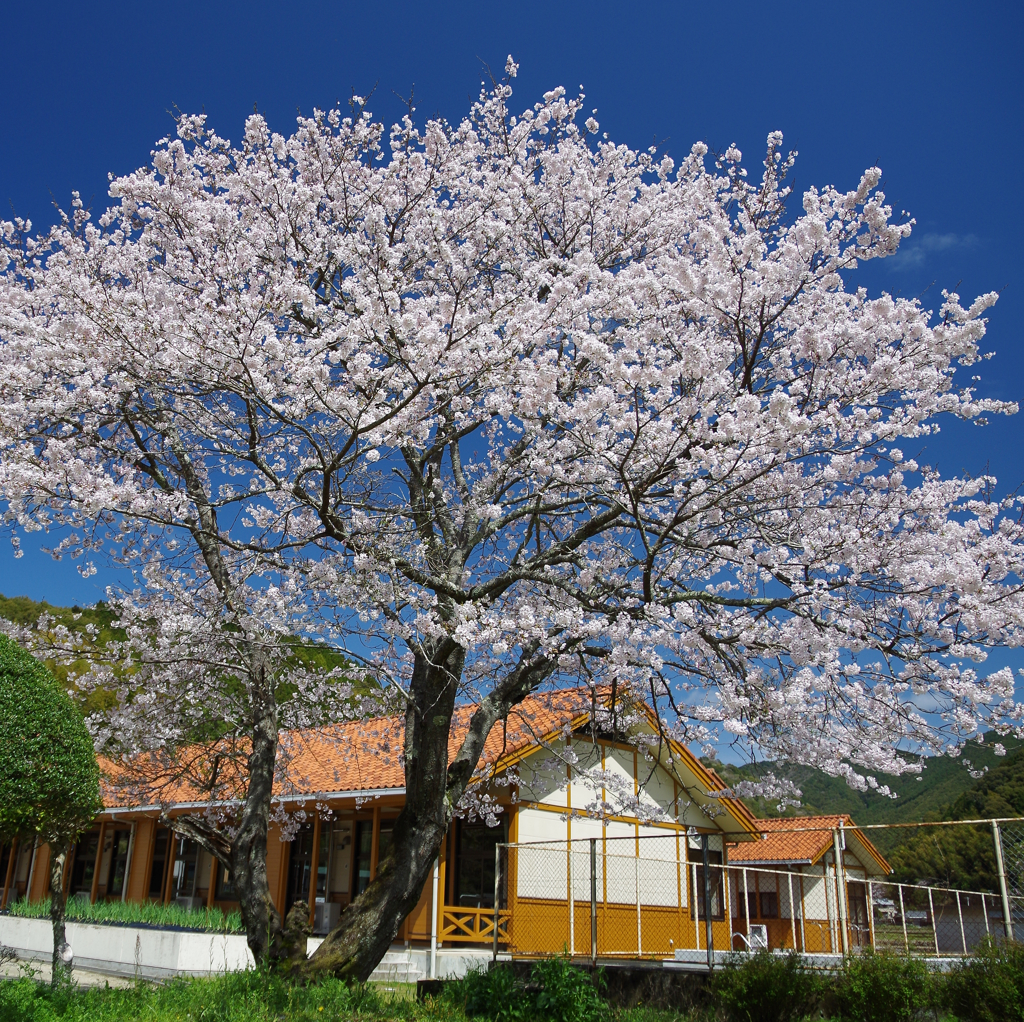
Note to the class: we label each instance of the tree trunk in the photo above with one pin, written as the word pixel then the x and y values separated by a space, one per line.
pixel 61 968
pixel 245 855
pixel 433 789
pixel 249 846
pixel 369 925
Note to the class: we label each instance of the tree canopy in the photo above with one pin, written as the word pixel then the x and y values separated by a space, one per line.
pixel 517 407
pixel 49 778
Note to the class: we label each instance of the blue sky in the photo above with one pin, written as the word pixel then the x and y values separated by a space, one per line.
pixel 932 93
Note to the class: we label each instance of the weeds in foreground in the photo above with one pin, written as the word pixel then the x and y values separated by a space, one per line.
pixel 236 997
pixel 989 986
pixel 883 987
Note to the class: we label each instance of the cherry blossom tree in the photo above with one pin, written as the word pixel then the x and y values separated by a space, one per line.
pixel 527 408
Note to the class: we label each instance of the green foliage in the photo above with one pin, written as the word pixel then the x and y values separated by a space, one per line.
pixel 765 987
pixel 91 627
pixel 567 994
pixel 129 912
pixel 49 779
pixel 989 986
pixel 236 997
pixel 881 987
pixel 965 856
pixel 556 992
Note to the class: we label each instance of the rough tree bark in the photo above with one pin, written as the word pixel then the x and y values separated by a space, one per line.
pixel 433 788
pixel 61 961
pixel 244 854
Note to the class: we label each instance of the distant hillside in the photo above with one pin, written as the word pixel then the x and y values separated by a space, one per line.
pixel 924 796
pixel 965 856
pixel 23 611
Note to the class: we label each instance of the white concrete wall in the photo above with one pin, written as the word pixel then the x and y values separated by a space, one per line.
pixel 130 950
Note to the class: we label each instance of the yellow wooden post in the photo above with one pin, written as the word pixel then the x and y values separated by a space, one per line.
pixel 94 891
pixel 314 866
pixel 375 842
pixel 169 866
pixel 443 885
pixel 10 872
pixel 214 870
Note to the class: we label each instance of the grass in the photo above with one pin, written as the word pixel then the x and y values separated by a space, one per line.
pixel 128 913
pixel 245 997
pixel 764 988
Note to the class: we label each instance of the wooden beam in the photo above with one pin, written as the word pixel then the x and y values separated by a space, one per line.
pixel 10 873
pixel 442 888
pixel 94 892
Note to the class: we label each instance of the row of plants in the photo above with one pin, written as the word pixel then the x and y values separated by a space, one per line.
pixel 127 913
pixel 764 987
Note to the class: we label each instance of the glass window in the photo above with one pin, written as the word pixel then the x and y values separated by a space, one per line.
pixel 323 854
pixel 300 861
pixel 769 905
pixel 157 874
pixel 752 904
pixel 225 889
pixel 716 882
pixel 474 871
pixel 364 849
pixel 84 866
pixel 118 861
pixel 183 877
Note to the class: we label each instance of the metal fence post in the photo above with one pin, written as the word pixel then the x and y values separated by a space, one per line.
pixel 935 928
pixel 593 900
pixel 708 934
pixel 837 855
pixel 497 902
pixel 903 920
pixel 1001 870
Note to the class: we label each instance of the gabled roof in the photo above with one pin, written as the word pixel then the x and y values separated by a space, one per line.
pixel 363 758
pixel 804 840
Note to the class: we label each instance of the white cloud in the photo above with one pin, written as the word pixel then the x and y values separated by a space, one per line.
pixel 921 247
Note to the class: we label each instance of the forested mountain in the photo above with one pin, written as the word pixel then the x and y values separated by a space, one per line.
pixel 921 796
pixel 961 857
pixel 965 856
pixel 92 624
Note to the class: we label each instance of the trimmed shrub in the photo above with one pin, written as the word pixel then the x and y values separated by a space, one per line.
pixel 556 992
pixel 881 987
pixel 49 780
pixel 989 986
pixel 765 987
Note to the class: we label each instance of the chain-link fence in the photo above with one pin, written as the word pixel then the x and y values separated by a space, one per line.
pixel 680 894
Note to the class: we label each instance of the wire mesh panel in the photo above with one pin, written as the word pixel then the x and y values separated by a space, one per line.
pixel 1012 837
pixel 644 892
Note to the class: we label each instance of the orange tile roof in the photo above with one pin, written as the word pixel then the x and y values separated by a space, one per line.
pixel 800 839
pixel 362 757
pixel 359 756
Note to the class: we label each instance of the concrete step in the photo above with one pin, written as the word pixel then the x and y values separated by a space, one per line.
pixel 396 967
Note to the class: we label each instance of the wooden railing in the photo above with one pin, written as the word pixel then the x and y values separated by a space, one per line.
pixel 472 925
